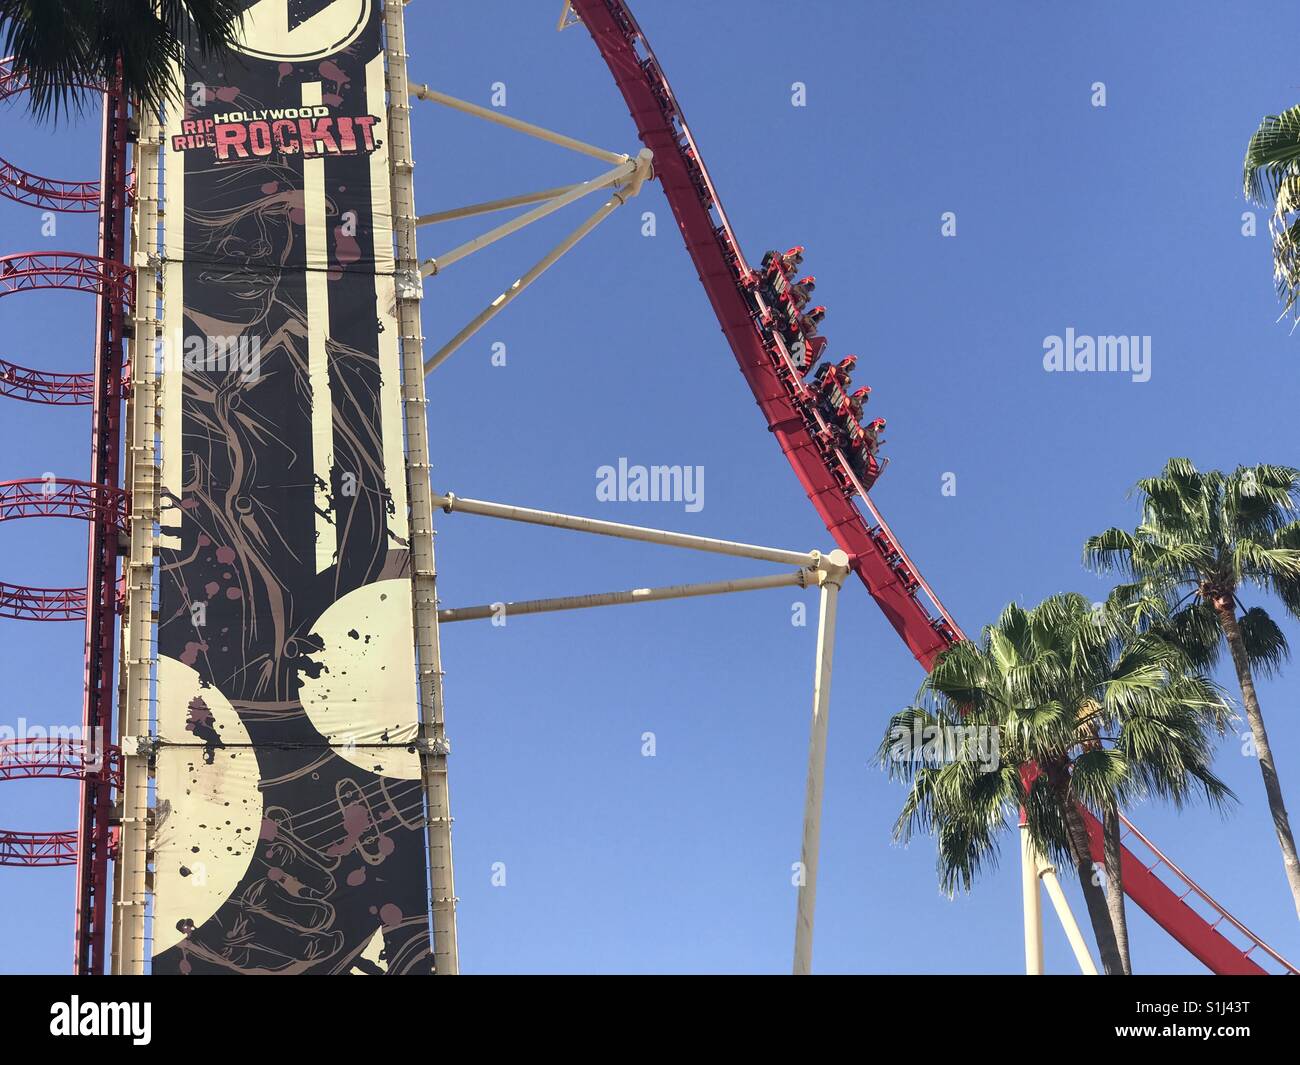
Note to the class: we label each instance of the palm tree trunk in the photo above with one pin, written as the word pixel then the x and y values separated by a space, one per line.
pixel 1115 888
pixel 1227 615
pixel 1093 896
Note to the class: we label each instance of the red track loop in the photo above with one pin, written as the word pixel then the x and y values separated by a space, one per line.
pixel 38 850
pixel 42 604
pixel 46 193
pixel 66 270
pixel 57 759
pixel 55 499
pixel 877 557
pixel 38 386
pixel 34 498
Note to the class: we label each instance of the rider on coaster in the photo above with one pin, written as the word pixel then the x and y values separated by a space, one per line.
pixel 841 372
pixel 809 323
pixel 801 291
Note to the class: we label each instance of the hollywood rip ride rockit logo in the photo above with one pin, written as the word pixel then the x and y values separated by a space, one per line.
pixel 311 131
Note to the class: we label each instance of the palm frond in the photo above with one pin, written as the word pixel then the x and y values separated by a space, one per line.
pixel 1272 152
pixel 69 49
pixel 1265 643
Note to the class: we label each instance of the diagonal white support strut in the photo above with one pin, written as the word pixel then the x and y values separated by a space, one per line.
pixel 476 209
pixel 423 92
pixel 798 579
pixel 619 174
pixel 451 503
pixel 622 193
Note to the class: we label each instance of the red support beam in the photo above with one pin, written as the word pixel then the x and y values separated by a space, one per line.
pixel 38 850
pixel 113 303
pixel 99 501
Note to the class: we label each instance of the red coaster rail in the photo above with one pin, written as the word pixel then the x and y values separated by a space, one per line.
pixel 48 194
pixel 104 507
pixel 892 580
pixel 22 603
pixel 98 500
pixel 41 386
pixel 56 758
pixel 38 850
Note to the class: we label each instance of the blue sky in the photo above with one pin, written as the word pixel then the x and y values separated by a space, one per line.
pixel 1117 220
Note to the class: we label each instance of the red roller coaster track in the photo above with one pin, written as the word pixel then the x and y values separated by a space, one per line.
pixel 71 270
pixel 46 193
pixel 98 500
pixel 39 498
pixel 39 386
pixel 49 759
pixel 38 850
pixel 55 499
pixel 55 759
pixel 892 580
pixel 42 604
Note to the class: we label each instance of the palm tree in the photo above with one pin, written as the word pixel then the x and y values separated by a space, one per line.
pixel 68 46
pixel 1104 715
pixel 1204 535
pixel 1271 179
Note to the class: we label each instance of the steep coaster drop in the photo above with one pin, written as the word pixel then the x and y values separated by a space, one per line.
pixel 827 473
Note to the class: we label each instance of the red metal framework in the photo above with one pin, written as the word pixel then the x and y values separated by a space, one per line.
pixel 46 193
pixel 115 294
pixel 57 759
pixel 39 498
pixel 97 500
pixel 38 850
pixel 892 580
pixel 42 604
pixel 71 270
pixel 40 386
pixel 50 759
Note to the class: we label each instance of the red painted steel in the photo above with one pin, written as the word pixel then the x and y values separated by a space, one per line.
pixel 49 194
pixel 892 580
pixel 70 270
pixel 38 498
pixel 38 850
pixel 112 307
pixel 42 604
pixel 41 386
pixel 98 500
pixel 56 759
pixel 726 277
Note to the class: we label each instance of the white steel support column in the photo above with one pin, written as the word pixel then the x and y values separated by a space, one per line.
pixel 141 479
pixel 1033 904
pixel 1077 943
pixel 831 577
pixel 434 745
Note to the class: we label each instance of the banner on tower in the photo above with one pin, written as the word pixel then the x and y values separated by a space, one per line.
pixel 289 820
